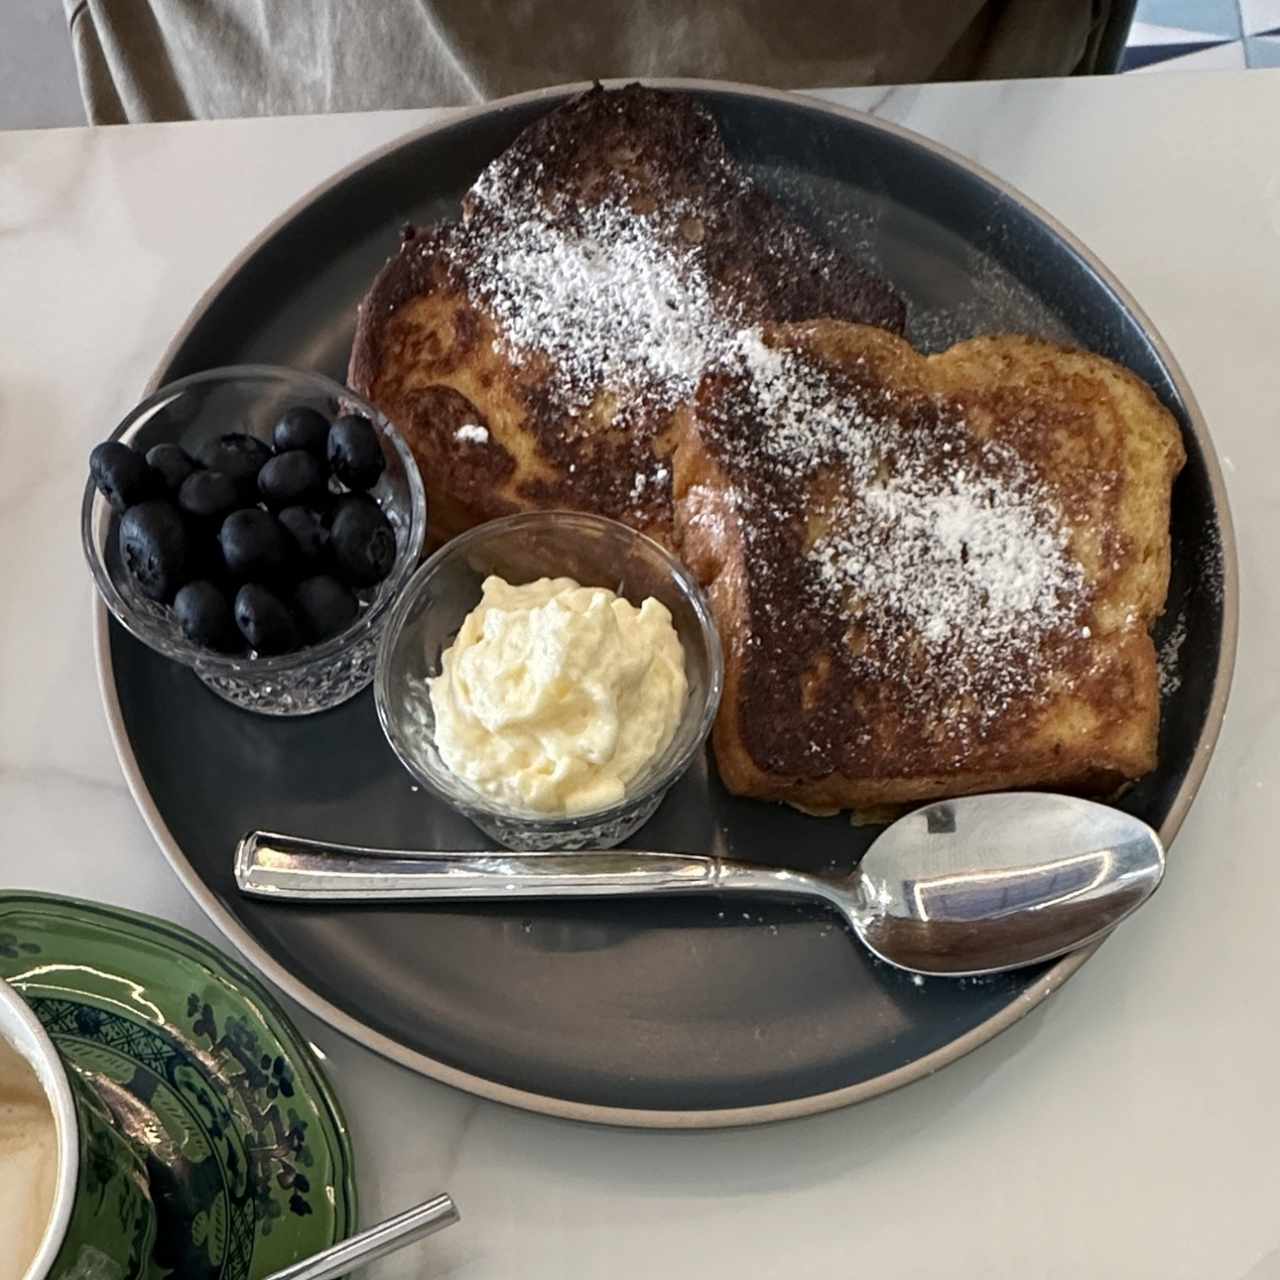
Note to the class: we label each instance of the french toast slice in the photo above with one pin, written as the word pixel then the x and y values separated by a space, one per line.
pixel 932 575
pixel 533 355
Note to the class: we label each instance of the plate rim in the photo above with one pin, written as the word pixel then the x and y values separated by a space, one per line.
pixel 710 1118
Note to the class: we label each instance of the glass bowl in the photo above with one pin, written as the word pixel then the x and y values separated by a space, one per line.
pixel 597 553
pixel 250 398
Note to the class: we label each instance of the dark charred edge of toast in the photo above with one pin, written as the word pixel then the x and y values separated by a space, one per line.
pixel 586 143
pixel 403 276
pixel 1103 775
pixel 879 799
pixel 592 144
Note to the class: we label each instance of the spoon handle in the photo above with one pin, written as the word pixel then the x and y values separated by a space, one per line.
pixel 283 867
pixel 366 1247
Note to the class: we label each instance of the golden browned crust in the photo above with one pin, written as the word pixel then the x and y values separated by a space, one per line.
pixel 429 353
pixel 812 713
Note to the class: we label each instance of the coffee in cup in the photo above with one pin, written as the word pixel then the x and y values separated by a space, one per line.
pixel 28 1163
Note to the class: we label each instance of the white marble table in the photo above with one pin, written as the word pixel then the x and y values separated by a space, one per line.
pixel 1127 1128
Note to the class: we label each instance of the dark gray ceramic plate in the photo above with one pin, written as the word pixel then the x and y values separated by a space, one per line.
pixel 663 1013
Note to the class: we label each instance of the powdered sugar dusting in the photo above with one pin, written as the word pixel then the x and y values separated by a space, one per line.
pixel 941 549
pixel 979 554
pixel 1210 564
pixel 1169 657
pixel 617 299
pixel 809 422
pixel 644 480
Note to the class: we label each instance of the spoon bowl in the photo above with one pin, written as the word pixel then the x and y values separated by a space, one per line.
pixel 959 888
pixel 988 883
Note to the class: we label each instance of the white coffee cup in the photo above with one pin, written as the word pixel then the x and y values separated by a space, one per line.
pixel 21 1031
pixel 101 1220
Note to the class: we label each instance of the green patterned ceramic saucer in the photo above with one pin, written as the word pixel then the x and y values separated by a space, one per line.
pixel 246 1149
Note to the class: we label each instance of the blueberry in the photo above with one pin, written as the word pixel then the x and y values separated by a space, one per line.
pixel 208 495
pixel 264 621
pixel 122 475
pixel 302 428
pixel 239 456
pixel 172 463
pixel 323 607
pixel 155 547
pixel 204 555
pixel 355 456
pixel 361 540
pixel 204 614
pixel 254 546
pixel 292 478
pixel 309 534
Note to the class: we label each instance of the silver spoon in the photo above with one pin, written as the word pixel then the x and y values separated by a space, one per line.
pixel 378 1241
pixel 961 887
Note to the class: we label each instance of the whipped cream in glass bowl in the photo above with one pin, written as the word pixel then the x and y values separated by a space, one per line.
pixel 550 675
pixel 553 696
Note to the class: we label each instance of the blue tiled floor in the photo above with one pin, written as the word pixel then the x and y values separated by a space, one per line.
pixel 1174 35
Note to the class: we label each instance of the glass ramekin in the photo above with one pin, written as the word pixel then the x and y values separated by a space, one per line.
pixel 250 398
pixel 596 552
